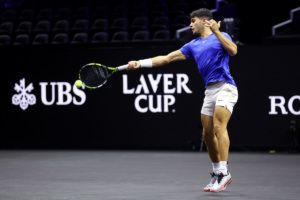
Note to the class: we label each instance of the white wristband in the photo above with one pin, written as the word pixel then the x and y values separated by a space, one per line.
pixel 146 63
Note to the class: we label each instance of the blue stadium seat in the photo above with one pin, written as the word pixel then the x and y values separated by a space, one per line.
pixel 24 27
pixel 26 15
pixel 139 24
pixel 80 25
pixel 141 36
pixel 42 27
pixel 40 39
pixel 60 38
pixel 5 40
pixel 9 15
pixel 99 25
pixel 80 38
pixel 61 26
pixel 161 35
pixel 6 28
pixel 99 37
pixel 119 24
pixel 120 36
pixel 22 39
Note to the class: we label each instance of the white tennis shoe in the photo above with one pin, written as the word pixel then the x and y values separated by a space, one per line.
pixel 211 183
pixel 222 181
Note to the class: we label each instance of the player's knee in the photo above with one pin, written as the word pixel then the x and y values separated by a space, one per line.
pixel 207 133
pixel 218 129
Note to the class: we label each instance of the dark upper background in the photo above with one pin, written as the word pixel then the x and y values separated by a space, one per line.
pixel 258 17
pixel 254 19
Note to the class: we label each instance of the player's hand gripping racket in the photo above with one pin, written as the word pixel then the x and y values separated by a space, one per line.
pixel 95 75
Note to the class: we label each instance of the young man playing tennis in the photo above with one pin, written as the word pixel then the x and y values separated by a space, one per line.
pixel 211 52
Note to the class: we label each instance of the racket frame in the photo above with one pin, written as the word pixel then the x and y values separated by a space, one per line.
pixel 109 72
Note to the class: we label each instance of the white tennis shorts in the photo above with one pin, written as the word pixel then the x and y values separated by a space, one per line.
pixel 219 94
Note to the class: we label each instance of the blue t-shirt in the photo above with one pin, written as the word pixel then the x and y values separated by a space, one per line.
pixel 211 57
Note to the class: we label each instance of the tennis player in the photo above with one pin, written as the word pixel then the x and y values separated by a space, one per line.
pixel 211 51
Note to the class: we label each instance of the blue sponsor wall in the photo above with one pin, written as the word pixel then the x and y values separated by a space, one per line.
pixel 145 109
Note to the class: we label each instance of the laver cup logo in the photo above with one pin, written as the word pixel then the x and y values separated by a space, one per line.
pixel 155 93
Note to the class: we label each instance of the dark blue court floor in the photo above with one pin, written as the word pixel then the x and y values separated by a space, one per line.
pixel 140 175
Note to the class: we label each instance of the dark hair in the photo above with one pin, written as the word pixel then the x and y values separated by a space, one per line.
pixel 202 12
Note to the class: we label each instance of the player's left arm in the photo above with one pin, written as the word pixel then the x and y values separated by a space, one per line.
pixel 229 46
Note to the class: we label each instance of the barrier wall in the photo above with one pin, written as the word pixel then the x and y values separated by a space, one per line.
pixel 145 109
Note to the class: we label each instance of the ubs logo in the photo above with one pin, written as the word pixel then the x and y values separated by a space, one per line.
pixel 51 93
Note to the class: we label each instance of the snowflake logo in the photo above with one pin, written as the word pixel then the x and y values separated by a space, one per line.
pixel 24 99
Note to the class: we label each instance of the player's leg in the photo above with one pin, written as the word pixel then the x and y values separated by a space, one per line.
pixel 217 142
pixel 211 145
pixel 226 99
pixel 220 121
pixel 210 138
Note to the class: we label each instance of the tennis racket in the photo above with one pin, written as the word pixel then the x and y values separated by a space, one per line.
pixel 95 75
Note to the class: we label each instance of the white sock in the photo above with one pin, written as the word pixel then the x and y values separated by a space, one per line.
pixel 223 167
pixel 220 167
pixel 216 166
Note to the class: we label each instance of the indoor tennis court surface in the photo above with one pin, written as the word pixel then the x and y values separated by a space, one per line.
pixel 134 175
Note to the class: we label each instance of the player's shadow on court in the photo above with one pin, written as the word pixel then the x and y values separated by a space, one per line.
pixel 224 195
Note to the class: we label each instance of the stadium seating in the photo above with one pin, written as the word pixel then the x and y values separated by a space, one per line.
pixel 92 21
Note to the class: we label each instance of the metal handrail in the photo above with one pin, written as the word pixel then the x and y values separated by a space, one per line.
pixel 285 22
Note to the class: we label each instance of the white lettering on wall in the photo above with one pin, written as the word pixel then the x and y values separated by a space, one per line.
pixel 278 105
pixel 61 93
pixel 149 98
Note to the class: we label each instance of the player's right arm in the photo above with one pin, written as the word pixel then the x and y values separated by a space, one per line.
pixel 157 61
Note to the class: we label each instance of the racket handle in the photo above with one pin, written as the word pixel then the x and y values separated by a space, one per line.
pixel 122 67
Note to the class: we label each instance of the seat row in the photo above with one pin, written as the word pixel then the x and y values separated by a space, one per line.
pixel 84 25
pixel 83 38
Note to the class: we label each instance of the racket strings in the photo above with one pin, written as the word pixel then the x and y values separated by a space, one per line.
pixel 93 76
